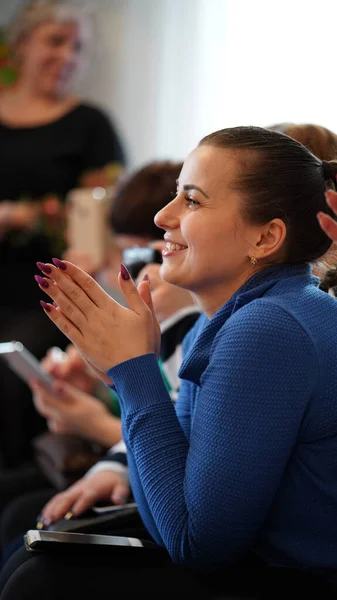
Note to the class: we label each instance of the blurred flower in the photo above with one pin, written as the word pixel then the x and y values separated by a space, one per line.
pixel 8 72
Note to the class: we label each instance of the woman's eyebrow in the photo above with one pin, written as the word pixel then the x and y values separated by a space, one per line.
pixel 190 186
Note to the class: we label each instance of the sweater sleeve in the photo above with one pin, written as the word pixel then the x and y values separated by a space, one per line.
pixel 209 497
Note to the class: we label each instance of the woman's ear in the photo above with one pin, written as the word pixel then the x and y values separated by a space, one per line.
pixel 271 240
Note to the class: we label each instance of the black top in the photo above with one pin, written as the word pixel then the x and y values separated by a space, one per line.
pixel 49 159
pixel 40 161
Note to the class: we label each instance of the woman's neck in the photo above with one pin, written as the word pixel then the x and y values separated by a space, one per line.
pixel 213 298
pixel 23 105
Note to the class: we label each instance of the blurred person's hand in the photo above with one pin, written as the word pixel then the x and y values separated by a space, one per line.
pixel 167 298
pixel 102 486
pixel 18 215
pixel 70 366
pixel 71 412
pixel 327 223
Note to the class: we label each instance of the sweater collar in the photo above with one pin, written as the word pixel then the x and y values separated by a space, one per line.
pixel 197 358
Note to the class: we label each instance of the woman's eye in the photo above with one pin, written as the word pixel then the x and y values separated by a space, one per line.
pixel 56 41
pixel 191 202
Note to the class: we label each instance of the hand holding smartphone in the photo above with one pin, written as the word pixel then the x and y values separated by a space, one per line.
pixel 24 363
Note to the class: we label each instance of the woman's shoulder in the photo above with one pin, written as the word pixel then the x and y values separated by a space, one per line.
pixel 307 315
pixel 91 111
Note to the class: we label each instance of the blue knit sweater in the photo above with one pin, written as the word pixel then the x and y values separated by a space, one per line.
pixel 247 459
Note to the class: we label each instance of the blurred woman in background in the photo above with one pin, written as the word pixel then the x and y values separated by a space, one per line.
pixel 322 142
pixel 50 142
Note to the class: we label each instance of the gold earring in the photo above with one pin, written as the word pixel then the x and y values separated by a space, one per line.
pixel 253 260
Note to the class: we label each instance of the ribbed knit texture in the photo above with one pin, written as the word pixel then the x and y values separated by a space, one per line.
pixel 247 459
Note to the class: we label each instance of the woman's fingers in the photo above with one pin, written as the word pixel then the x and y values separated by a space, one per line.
pixel 76 284
pixel 63 323
pixel 130 291
pixel 120 493
pixel 59 505
pixel 73 308
pixel 331 200
pixel 85 501
pixel 328 225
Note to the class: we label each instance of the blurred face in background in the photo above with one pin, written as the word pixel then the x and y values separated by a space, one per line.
pixel 51 55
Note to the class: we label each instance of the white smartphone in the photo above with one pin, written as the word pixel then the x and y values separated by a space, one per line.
pixel 24 363
pixel 41 540
pixel 88 222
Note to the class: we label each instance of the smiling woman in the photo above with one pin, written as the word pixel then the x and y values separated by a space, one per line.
pixel 241 472
pixel 51 141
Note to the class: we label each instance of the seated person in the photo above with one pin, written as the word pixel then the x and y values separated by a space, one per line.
pixel 236 481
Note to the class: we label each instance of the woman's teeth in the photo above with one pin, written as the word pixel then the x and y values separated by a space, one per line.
pixel 172 247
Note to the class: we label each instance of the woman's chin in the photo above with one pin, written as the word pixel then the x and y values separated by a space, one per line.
pixel 169 274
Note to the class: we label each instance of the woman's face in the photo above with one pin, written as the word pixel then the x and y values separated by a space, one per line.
pixel 208 245
pixel 51 55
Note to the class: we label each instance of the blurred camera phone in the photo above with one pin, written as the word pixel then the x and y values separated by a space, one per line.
pixel 136 257
pixel 88 222
pixel 36 540
pixel 24 363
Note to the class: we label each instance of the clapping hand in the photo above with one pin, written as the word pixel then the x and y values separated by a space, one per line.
pixel 328 224
pixel 104 332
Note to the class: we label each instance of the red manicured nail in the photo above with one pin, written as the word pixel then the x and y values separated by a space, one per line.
pixel 124 273
pixel 146 277
pixel 45 306
pixel 44 268
pixel 55 305
pixel 42 282
pixel 58 263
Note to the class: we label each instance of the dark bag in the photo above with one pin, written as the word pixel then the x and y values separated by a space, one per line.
pixel 64 459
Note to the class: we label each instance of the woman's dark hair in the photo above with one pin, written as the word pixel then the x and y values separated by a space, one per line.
pixel 141 196
pixel 280 178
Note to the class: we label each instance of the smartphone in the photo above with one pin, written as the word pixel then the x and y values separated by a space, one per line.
pixel 35 539
pixel 114 508
pixel 24 363
pixel 88 228
pixel 123 517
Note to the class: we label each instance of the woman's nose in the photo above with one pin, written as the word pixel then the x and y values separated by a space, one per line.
pixel 167 218
pixel 67 54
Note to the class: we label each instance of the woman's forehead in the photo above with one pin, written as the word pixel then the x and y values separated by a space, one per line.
pixel 209 165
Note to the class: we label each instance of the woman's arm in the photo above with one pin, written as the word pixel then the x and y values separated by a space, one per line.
pixel 209 498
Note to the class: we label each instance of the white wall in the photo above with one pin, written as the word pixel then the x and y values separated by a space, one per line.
pixel 175 70
pixel 148 72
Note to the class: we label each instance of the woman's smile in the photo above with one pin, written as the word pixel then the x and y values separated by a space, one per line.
pixel 172 248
